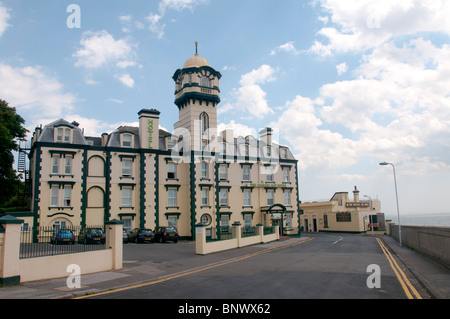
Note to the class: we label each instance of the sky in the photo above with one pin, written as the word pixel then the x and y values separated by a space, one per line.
pixel 345 84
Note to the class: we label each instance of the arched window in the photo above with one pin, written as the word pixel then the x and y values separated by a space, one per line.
pixel 204 122
pixel 205 82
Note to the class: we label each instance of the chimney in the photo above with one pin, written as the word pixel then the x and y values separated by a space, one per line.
pixel 149 128
pixel 104 139
pixel 356 195
pixel 265 135
pixel 37 134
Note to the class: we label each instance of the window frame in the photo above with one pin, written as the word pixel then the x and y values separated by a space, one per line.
pixel 172 194
pixel 169 170
pixel 127 201
pixel 223 172
pixel 125 163
pixel 223 197
pixel 247 196
pixel 270 199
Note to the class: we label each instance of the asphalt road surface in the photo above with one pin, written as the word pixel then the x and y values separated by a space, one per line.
pixel 330 266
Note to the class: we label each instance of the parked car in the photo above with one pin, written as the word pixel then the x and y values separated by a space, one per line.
pixel 125 236
pixel 63 236
pixel 91 235
pixel 140 235
pixel 166 233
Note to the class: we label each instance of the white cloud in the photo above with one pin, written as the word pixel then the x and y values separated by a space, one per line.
pixel 365 24
pixel 4 17
pixel 100 48
pixel 237 128
pixel 155 20
pixel 179 5
pixel 32 90
pixel 397 107
pixel 287 47
pixel 342 68
pixel 155 25
pixel 300 127
pixel 250 97
pixel 126 79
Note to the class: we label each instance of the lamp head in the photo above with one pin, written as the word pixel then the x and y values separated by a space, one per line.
pixel 384 163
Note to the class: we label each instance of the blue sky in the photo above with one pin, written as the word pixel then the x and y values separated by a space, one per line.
pixel 346 84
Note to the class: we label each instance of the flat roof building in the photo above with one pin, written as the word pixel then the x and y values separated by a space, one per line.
pixel 340 214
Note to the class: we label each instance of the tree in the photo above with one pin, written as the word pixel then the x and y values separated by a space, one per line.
pixel 11 131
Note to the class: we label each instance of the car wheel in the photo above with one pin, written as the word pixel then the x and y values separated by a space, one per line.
pixel 175 241
pixel 161 240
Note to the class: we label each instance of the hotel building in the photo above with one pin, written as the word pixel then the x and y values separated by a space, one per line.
pixel 148 177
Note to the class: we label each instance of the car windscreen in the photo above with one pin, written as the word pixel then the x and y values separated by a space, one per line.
pixel 95 231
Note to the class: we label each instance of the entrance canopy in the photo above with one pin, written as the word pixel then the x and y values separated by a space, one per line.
pixel 274 209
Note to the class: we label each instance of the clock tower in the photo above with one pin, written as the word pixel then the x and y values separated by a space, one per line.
pixel 197 95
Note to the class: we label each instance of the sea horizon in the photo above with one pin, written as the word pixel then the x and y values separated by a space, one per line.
pixel 427 219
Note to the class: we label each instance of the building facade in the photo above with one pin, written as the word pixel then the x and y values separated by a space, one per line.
pixel 340 214
pixel 148 177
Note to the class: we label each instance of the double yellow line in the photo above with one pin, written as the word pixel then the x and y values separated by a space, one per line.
pixel 408 288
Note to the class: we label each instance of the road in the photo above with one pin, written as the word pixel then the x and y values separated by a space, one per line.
pixel 329 266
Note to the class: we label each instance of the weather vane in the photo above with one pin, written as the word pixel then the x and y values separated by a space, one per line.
pixel 196 48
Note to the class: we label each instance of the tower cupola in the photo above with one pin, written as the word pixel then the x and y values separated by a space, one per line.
pixel 197 95
pixel 197 82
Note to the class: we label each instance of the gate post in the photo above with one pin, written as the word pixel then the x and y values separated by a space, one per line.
pixel 9 250
pixel 114 241
pixel 200 239
pixel 237 233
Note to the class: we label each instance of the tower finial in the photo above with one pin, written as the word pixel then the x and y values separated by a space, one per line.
pixel 196 48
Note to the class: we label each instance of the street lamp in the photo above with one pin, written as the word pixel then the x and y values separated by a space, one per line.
pixel 396 196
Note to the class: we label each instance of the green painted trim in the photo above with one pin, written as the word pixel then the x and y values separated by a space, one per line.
pixel 65 214
pixel 60 183
pixel 156 190
pixel 37 192
pixel 8 219
pixel 173 214
pixel 114 222
pixel 107 214
pixel 197 96
pixel 142 191
pixel 216 181
pixel 10 281
pixel 298 199
pixel 62 152
pixel 193 196
pixel 84 172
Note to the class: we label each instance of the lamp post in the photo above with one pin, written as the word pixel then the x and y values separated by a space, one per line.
pixel 396 196
pixel 371 211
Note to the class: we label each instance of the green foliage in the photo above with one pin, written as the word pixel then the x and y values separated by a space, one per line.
pixel 11 131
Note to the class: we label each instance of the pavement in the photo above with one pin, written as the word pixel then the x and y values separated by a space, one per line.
pixel 180 259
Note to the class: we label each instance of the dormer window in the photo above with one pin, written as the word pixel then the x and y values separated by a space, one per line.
pixel 63 135
pixel 126 140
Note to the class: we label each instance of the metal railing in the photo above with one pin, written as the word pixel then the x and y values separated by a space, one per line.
pixel 51 241
pixel 269 230
pixel 224 233
pixel 249 231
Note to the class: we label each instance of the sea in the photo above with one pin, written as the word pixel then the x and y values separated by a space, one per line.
pixel 434 219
